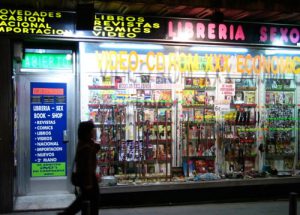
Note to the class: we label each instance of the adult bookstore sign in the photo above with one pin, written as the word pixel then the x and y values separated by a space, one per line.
pixel 48 121
pixel 62 24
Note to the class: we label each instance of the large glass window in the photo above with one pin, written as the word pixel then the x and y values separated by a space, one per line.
pixel 168 113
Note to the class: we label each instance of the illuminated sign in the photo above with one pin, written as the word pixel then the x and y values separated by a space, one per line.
pixel 57 23
pixel 46 61
pixel 123 26
pixel 18 21
pixel 194 62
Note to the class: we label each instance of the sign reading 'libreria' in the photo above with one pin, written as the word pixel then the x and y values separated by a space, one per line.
pixel 56 23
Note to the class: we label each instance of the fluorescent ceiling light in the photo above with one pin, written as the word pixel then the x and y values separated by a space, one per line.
pixel 131 46
pixel 218 49
pixel 282 51
pixel 278 42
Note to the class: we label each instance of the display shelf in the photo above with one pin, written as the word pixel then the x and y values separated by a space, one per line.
pixel 243 105
pixel 238 138
pixel 200 88
pixel 245 88
pixel 284 105
pixel 153 126
pixel 97 87
pixel 199 157
pixel 199 106
pixel 283 89
pixel 280 128
pixel 280 156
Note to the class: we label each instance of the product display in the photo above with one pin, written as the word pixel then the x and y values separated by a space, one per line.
pixel 239 128
pixel 280 124
pixel 201 124
pixel 198 124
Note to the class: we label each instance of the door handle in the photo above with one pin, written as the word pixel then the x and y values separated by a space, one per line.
pixel 65 136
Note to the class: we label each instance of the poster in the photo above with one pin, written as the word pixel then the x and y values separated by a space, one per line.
pixel 47 123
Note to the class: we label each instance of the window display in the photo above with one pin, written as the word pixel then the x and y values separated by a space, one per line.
pixel 219 112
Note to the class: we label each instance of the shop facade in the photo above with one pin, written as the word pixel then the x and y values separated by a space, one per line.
pixel 173 100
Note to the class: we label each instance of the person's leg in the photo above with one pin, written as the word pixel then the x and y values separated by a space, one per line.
pixel 95 202
pixel 92 196
pixel 74 207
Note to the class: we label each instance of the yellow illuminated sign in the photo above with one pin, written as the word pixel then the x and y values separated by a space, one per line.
pixel 191 62
pixel 31 22
pixel 122 26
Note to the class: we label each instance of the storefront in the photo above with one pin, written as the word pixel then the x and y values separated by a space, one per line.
pixel 174 100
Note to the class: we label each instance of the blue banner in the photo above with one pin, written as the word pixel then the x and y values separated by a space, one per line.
pixel 48 121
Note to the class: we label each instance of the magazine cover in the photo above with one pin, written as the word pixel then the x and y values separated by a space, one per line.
pixel 249 97
pixel 287 83
pixel 209 115
pixel 199 98
pixel 118 80
pixel 239 97
pixel 107 80
pixel 149 114
pixel 145 78
pixel 188 82
pixel 187 97
pixel 202 82
pixel 95 81
pixel 245 83
pixel 210 82
pixel 196 82
pixel 94 97
pixel 210 98
pixel 161 80
pixel 199 115
pixel 165 96
pixel 107 99
pixel 289 98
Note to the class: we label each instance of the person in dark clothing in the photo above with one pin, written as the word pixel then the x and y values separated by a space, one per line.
pixel 85 160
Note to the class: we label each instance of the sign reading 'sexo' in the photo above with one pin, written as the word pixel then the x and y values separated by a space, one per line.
pixel 57 23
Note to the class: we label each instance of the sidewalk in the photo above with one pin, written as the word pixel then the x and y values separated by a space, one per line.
pixel 279 207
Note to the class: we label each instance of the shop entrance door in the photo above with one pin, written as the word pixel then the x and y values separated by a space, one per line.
pixel 45 119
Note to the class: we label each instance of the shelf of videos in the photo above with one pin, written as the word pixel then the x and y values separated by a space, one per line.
pixel 136 159
pixel 240 153
pixel 198 147
pixel 153 127
pixel 280 132
pixel 239 139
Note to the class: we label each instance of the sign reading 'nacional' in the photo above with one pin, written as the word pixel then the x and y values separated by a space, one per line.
pixel 49 23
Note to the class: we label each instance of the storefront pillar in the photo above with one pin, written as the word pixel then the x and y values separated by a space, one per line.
pixel 6 128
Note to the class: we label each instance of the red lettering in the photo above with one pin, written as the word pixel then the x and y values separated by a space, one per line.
pixel 284 36
pixel 189 29
pixel 222 32
pixel 200 31
pixel 239 33
pixel 273 31
pixel 211 31
pixel 263 34
pixel 294 35
pixel 171 33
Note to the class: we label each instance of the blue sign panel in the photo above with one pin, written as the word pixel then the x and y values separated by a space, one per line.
pixel 48 121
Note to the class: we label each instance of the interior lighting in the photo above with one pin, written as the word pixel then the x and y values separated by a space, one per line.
pixel 277 42
pixel 131 46
pixel 282 51
pixel 219 49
